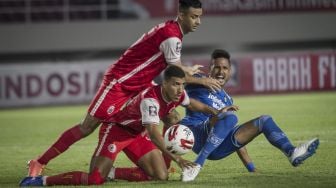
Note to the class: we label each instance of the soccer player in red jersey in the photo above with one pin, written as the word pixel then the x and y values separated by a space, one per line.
pixel 132 73
pixel 134 130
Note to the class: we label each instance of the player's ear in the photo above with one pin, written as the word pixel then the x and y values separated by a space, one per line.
pixel 180 15
pixel 164 83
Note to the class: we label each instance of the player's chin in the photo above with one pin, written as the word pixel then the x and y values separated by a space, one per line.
pixel 177 98
pixel 222 82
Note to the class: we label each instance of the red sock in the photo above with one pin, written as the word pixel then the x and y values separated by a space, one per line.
pixel 68 137
pixel 131 174
pixel 69 178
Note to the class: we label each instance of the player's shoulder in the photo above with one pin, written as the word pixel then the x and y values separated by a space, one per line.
pixel 171 29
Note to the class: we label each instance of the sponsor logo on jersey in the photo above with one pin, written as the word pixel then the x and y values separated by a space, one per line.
pixel 152 111
pixel 110 109
pixel 112 148
pixel 178 47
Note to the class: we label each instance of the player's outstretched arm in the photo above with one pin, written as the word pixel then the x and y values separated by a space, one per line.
pixel 198 106
pixel 157 139
pixel 245 158
pixel 212 84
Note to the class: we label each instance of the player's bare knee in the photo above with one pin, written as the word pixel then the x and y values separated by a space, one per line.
pixel 161 175
pixel 230 115
pixel 87 127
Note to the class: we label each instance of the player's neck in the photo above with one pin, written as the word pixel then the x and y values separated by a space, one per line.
pixel 164 96
pixel 180 26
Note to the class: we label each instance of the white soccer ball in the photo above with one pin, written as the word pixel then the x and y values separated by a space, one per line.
pixel 179 139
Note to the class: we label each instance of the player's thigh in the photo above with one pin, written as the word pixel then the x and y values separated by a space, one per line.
pixel 201 133
pixel 108 100
pixel 153 164
pixel 89 124
pixel 112 140
pixel 227 147
pixel 247 132
pixel 145 154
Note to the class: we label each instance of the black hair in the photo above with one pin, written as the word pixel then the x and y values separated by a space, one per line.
pixel 219 53
pixel 186 4
pixel 173 71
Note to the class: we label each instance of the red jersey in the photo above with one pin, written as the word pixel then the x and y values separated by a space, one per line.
pixel 147 57
pixel 148 107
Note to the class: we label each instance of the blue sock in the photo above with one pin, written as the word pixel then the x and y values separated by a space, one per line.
pixel 274 134
pixel 216 136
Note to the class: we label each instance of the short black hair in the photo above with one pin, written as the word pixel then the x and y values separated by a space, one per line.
pixel 173 71
pixel 219 53
pixel 186 4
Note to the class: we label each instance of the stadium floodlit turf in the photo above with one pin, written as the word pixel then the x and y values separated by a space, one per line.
pixel 25 133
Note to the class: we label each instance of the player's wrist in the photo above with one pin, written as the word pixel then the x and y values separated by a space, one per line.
pixel 250 167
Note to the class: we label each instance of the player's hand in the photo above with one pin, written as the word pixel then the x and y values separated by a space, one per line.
pixel 221 112
pixel 195 69
pixel 183 163
pixel 230 108
pixel 211 83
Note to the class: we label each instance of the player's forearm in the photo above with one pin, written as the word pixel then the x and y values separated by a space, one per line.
pixel 201 107
pixel 157 140
pixel 194 80
pixel 190 71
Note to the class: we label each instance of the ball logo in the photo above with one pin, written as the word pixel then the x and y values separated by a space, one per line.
pixel 185 143
pixel 179 139
pixel 110 110
pixel 172 133
pixel 112 148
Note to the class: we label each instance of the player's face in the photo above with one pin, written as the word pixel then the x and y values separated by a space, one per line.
pixel 220 70
pixel 190 19
pixel 173 89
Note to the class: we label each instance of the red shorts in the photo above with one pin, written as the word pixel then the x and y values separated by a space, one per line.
pixel 113 139
pixel 108 100
pixel 110 97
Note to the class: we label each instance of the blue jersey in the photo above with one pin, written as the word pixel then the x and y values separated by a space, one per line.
pixel 200 126
pixel 217 100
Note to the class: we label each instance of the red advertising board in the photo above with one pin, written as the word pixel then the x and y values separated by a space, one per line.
pixel 23 84
pixel 282 72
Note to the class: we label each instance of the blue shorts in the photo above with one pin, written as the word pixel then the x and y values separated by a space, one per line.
pixel 228 146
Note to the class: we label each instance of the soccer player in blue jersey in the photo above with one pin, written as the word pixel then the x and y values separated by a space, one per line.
pixel 218 137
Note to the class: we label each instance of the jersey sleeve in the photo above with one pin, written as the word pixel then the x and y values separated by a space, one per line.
pixel 171 49
pixel 149 108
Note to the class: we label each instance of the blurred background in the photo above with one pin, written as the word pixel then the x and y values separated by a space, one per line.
pixel 56 51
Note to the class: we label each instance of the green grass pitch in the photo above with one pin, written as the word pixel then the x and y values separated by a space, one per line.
pixel 25 133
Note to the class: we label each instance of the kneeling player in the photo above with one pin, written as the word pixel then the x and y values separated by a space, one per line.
pixel 139 117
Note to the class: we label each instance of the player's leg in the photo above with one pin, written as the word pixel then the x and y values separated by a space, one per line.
pixel 151 165
pixel 216 136
pixel 66 139
pixel 202 134
pixel 107 101
pixel 103 159
pixel 265 124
